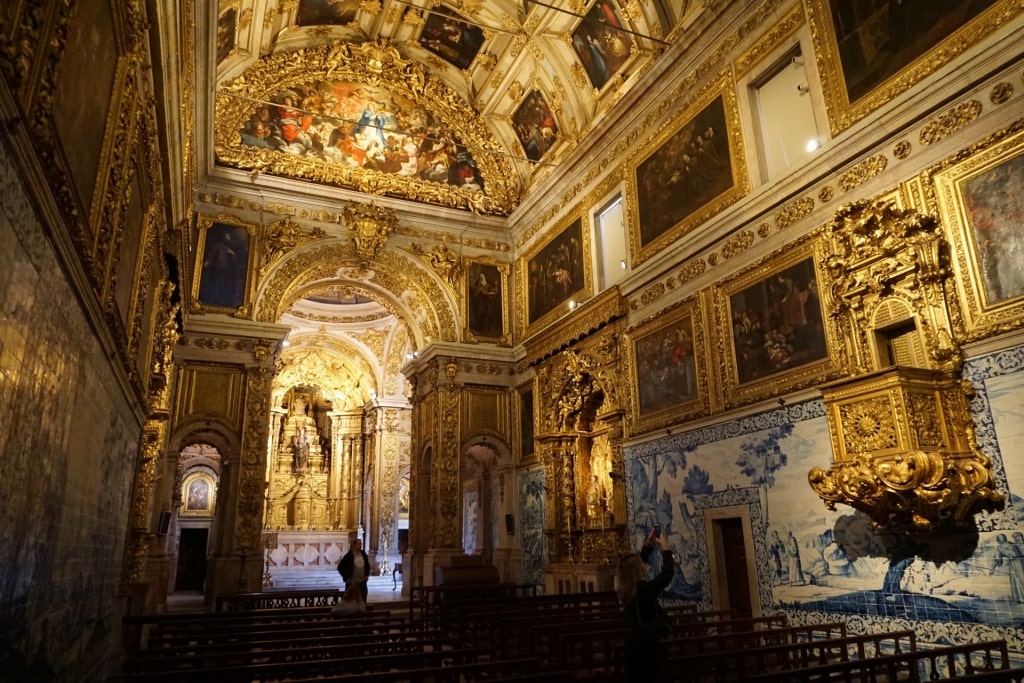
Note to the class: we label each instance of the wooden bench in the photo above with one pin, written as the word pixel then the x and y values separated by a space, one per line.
pixel 240 602
pixel 940 663
pixel 741 664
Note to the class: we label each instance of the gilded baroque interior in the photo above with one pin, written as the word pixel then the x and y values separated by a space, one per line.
pixel 511 284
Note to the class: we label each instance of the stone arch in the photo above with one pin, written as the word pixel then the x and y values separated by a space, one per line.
pixel 396 281
pixel 336 374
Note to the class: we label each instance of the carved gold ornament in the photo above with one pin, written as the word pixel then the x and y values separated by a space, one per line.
pixel 902 436
pixel 369 227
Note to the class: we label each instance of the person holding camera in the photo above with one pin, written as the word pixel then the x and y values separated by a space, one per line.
pixel 647 621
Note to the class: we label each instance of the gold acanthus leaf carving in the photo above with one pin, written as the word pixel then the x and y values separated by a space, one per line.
pixel 281 237
pixel 443 261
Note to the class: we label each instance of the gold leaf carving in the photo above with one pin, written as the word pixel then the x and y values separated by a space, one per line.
pixel 862 172
pixel 793 212
pixel 951 121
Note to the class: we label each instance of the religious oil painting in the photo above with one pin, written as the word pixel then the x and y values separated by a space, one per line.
pixel 526 431
pixel 601 43
pixel 688 172
pixel 556 273
pixel 773 314
pixel 223 279
pixel 326 12
pixel 980 193
pixel 357 126
pixel 535 125
pixel 226 25
pixel 872 50
pixel 450 38
pixel 669 367
pixel 485 297
pixel 197 495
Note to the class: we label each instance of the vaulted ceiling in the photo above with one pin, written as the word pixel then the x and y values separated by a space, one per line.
pixel 465 104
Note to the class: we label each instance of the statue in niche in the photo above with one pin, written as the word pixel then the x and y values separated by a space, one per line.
pixel 301 444
pixel 597 501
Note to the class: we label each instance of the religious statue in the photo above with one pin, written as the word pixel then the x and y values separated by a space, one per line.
pixel 301 444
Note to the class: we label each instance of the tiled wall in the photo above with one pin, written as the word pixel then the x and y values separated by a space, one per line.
pixel 762 461
pixel 531 514
pixel 67 452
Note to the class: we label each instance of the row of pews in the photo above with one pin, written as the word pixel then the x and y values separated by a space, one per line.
pixel 530 638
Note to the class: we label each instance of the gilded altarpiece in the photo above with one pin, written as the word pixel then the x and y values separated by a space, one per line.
pixel 580 446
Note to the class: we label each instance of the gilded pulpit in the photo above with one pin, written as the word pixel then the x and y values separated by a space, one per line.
pixel 903 441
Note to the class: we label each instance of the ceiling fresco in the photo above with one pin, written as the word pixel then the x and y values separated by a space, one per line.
pixel 465 104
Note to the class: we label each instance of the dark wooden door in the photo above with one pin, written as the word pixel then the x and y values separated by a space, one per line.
pixel 191 560
pixel 734 550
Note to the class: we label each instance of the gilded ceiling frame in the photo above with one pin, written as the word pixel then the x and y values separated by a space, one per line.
pixel 374 64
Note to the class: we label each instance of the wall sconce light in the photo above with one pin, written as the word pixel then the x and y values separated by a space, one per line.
pixel 572 304
pixel 622 264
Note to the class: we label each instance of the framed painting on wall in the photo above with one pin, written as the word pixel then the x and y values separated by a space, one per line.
pixel 771 318
pixel 226 27
pixel 223 278
pixel 326 12
pixel 198 495
pixel 553 274
pixel 669 364
pixel 525 434
pixel 690 170
pixel 979 196
pixel 486 301
pixel 870 51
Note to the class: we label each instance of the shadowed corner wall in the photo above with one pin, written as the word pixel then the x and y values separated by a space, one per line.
pixel 68 441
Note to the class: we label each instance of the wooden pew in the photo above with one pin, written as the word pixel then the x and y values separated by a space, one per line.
pixel 739 665
pixel 241 602
pixel 950 663
pixel 289 670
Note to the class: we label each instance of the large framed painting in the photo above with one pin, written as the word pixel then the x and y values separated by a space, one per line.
pixel 224 271
pixel 980 199
pixel 535 125
pixel 870 51
pixel 601 44
pixel 326 12
pixel 690 170
pixel 771 319
pixel 525 433
pixel 486 302
pixel 450 38
pixel 554 275
pixel 227 24
pixel 669 367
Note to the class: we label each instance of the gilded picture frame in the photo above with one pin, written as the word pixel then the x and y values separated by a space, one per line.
pixel 977 195
pixel 557 270
pixel 692 169
pixel 860 73
pixel 485 302
pixel 198 495
pixel 224 280
pixel 526 420
pixel 669 367
pixel 774 334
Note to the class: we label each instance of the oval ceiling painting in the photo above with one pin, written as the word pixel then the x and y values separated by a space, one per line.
pixel 394 130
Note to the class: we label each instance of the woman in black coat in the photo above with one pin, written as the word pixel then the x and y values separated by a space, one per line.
pixel 639 598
